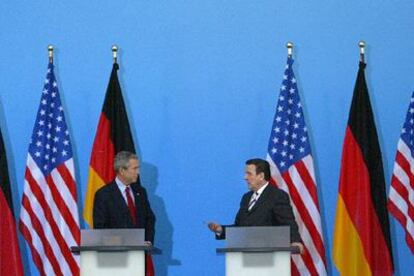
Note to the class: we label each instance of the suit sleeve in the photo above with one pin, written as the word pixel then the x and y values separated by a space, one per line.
pixel 284 215
pixel 243 203
pixel 100 214
pixel 149 218
pixel 222 236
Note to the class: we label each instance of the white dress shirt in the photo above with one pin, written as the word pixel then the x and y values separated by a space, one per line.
pixel 122 187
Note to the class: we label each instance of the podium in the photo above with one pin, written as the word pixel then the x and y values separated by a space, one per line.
pixel 258 251
pixel 113 252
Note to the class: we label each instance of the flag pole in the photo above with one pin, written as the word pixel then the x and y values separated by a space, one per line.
pixel 115 53
pixel 361 45
pixel 289 46
pixel 50 50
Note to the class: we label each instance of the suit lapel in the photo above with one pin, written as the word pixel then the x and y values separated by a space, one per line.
pixel 245 204
pixel 261 199
pixel 136 192
pixel 119 199
pixel 137 198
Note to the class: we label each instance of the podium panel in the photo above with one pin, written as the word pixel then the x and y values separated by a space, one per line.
pixel 258 251
pixel 258 264
pixel 112 252
pixel 127 263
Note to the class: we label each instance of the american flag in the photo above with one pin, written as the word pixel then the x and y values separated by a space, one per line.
pixel 291 162
pixel 401 194
pixel 49 219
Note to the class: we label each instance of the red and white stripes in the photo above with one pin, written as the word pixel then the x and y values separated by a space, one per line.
pixel 299 182
pixel 49 219
pixel 401 194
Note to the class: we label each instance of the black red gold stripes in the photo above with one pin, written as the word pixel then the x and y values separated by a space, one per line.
pixel 362 244
pixel 113 135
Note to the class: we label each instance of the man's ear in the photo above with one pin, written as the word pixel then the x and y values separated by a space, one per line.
pixel 262 175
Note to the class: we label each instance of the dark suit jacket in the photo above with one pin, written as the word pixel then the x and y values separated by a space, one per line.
pixel 272 209
pixel 111 211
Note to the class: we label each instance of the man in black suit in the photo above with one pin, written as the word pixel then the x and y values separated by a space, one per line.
pixel 123 203
pixel 263 205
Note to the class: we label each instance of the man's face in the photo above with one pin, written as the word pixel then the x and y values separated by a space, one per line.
pixel 254 181
pixel 129 174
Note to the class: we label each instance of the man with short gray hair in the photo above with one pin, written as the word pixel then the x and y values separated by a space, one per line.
pixel 123 203
pixel 122 158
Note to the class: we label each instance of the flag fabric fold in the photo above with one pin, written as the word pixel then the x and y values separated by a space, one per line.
pixel 49 218
pixel 292 167
pixel 112 136
pixel 10 258
pixel 401 194
pixel 362 244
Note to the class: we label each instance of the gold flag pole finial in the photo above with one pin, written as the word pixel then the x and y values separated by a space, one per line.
pixel 361 45
pixel 50 50
pixel 289 47
pixel 115 53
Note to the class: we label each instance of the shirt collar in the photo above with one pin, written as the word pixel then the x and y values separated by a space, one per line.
pixel 260 191
pixel 121 185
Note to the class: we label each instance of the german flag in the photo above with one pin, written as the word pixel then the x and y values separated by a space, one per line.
pixel 112 136
pixel 10 260
pixel 362 244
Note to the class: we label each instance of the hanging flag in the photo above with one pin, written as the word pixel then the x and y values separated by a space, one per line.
pixel 49 218
pixel 10 260
pixel 362 244
pixel 401 194
pixel 291 162
pixel 112 136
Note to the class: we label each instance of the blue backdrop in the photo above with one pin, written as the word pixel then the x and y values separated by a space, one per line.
pixel 201 80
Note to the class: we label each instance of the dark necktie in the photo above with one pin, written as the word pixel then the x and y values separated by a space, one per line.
pixel 131 206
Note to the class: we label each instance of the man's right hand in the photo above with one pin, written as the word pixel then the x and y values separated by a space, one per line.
pixel 216 228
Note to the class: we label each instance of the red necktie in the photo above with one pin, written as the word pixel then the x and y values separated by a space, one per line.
pixel 131 206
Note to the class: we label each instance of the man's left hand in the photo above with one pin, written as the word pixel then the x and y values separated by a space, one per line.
pixel 299 245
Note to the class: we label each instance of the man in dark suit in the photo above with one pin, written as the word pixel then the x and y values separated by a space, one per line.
pixel 263 205
pixel 123 203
